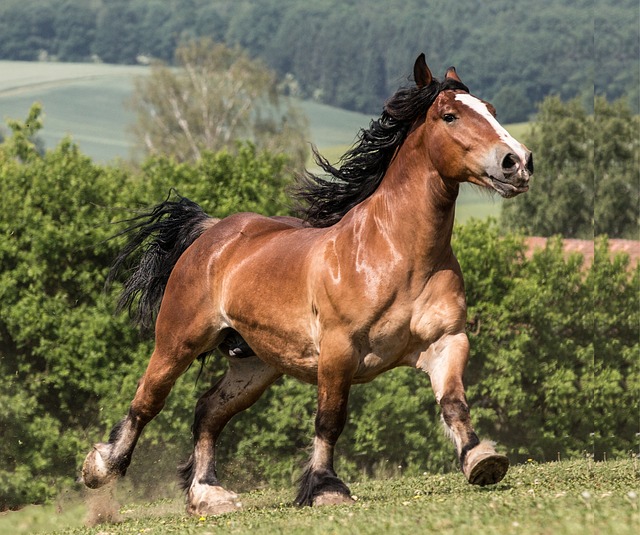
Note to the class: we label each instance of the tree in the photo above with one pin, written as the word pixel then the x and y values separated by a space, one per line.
pixel 214 98
pixel 117 35
pixel 586 172
pixel 69 367
pixel 25 142
pixel 560 200
pixel 617 176
pixel 57 340
pixel 75 26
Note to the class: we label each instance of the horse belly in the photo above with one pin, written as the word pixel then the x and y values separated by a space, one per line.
pixel 265 299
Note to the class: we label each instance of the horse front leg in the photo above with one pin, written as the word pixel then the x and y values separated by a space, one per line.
pixel 445 362
pixel 319 484
pixel 245 381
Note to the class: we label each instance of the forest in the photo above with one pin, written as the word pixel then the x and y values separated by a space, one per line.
pixel 353 54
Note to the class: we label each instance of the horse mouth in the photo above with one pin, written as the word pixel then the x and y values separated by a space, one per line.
pixel 505 189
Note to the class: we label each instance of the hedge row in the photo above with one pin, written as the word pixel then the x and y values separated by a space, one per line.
pixel 554 368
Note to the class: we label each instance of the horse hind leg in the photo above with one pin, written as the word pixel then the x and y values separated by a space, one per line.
pixel 445 363
pixel 108 461
pixel 183 332
pixel 245 381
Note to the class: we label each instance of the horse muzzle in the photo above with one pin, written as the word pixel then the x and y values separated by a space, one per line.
pixel 508 173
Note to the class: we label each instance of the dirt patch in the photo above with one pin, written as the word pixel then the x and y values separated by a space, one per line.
pixel 102 505
pixel 586 248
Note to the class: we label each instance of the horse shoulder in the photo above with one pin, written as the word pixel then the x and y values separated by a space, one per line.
pixel 441 307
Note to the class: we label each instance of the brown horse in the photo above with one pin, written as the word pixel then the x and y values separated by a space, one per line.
pixel 366 282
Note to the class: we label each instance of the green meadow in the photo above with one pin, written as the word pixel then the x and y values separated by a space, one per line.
pixel 557 498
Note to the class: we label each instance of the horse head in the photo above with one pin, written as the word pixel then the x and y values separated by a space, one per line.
pixel 465 141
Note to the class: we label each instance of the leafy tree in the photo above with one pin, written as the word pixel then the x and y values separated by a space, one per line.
pixel 25 142
pixel 617 177
pixel 117 36
pixel 614 328
pixel 58 346
pixel 354 54
pixel 222 182
pixel 75 28
pixel 69 367
pixel 617 74
pixel 586 172
pixel 560 200
pixel 26 28
pixel 217 97
pixel 554 346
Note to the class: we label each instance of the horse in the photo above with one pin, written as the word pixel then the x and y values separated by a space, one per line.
pixel 365 281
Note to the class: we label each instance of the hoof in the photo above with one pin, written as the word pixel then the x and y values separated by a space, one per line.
pixel 484 466
pixel 332 498
pixel 95 471
pixel 204 500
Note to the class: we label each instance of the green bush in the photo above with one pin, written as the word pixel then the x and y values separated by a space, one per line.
pixel 69 366
pixel 555 344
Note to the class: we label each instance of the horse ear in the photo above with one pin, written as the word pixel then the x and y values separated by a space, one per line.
pixel 452 74
pixel 421 73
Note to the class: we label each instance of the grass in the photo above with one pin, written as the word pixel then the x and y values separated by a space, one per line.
pixel 83 100
pixel 569 497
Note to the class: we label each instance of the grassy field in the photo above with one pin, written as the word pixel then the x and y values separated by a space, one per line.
pixel 569 497
pixel 88 102
pixel 84 101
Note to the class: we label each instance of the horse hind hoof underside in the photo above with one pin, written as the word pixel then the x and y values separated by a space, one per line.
pixel 95 470
pixel 484 466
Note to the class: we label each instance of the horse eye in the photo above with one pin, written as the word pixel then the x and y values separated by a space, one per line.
pixel 448 117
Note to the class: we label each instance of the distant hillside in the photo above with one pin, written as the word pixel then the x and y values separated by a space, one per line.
pixel 352 54
pixel 87 103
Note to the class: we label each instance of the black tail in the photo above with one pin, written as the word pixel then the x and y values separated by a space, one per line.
pixel 158 239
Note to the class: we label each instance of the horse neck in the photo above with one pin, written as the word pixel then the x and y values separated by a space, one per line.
pixel 415 206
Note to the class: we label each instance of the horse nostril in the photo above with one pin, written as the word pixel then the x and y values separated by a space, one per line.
pixel 530 164
pixel 510 162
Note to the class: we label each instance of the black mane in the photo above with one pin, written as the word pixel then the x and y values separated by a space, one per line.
pixel 324 200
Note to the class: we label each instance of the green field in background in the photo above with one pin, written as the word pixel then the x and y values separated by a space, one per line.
pixel 88 102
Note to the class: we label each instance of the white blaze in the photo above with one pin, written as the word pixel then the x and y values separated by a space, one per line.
pixel 481 109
